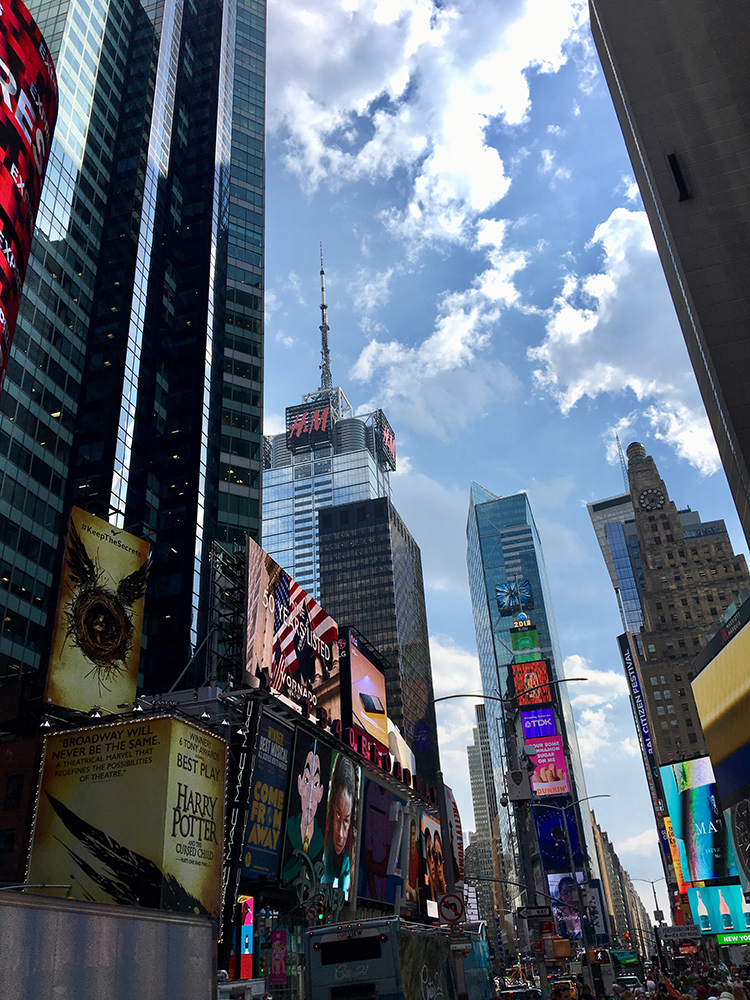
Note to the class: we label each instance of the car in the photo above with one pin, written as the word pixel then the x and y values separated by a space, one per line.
pixel 629 982
pixel 571 984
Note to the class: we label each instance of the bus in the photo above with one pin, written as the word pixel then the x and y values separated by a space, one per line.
pixel 384 958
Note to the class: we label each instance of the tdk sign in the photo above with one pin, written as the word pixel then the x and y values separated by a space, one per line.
pixel 540 722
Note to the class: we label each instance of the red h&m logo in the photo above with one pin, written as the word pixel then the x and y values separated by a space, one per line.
pixel 318 422
pixel 389 440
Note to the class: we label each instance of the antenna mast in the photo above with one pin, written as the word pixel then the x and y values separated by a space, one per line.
pixel 623 463
pixel 325 365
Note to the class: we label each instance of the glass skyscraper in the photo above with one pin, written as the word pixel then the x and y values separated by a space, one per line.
pixel 134 387
pixel 507 580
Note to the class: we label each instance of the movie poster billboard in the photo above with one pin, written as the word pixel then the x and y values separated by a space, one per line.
pixel 96 642
pixel 322 818
pixel 550 775
pixel 290 636
pixel 531 683
pixel 28 111
pixel 384 846
pixel 703 842
pixel 567 908
pixel 369 712
pixel 538 722
pixel 434 882
pixel 133 813
pixel 263 841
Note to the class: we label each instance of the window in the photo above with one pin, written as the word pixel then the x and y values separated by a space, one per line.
pixel 657 695
pixel 670 709
pixel 654 681
pixel 683 602
pixel 652 649
pixel 663 724
pixel 692 737
pixel 667 693
pixel 660 710
pixel 658 605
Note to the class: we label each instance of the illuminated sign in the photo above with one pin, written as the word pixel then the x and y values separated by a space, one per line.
pixel 719 909
pixel 531 682
pixel 28 111
pixel 308 425
pixel 262 850
pixel 539 722
pixel 514 597
pixel 385 441
pixel 550 776
pixel 524 641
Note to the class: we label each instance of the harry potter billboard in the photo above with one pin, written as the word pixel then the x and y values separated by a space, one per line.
pixel 133 813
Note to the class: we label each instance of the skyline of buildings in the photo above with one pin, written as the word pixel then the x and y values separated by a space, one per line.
pixel 134 387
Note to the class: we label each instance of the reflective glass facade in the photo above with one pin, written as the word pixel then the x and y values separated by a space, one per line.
pixel 135 381
pixel 371 579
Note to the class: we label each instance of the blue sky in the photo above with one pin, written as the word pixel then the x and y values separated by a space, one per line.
pixel 494 287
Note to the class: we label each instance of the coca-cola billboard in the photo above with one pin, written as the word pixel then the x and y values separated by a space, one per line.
pixel 28 111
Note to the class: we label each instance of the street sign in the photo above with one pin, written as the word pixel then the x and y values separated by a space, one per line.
pixel 539 947
pixel 688 932
pixel 547 928
pixel 534 912
pixel 451 907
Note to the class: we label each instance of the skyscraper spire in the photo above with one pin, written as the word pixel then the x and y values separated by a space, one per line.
pixel 325 365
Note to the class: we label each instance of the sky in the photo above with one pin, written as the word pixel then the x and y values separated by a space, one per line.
pixel 493 285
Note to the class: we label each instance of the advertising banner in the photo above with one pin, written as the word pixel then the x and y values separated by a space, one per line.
pixel 96 642
pixel 308 425
pixel 565 904
pixel 514 597
pixel 247 904
pixel 385 442
pixel 737 820
pixel 717 909
pixel 411 889
pixel 550 776
pixel 28 111
pixel 263 843
pixel 524 641
pixel 369 707
pixel 552 839
pixel 277 965
pixel 434 863
pixel 456 835
pixel 540 722
pixel 530 683
pixel 292 637
pixel 703 842
pixel 133 813
pixel 384 844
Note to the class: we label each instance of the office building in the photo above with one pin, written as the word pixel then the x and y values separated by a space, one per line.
pixel 679 75
pixel 518 651
pixel 326 457
pixel 135 379
pixel 674 575
pixel 371 578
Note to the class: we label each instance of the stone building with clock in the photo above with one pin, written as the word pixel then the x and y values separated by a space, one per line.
pixel 674 576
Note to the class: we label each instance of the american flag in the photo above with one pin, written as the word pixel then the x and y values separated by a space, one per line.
pixel 292 652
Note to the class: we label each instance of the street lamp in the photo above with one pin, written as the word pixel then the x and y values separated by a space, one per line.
pixel 658 914
pixel 515 697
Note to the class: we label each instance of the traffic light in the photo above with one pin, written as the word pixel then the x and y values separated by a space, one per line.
pixel 627 940
pixel 321 911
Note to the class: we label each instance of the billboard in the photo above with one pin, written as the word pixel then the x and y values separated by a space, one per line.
pixel 369 709
pixel 538 722
pixel 385 442
pixel 717 909
pixel 322 818
pixel 702 839
pixel 566 910
pixel 514 597
pixel 96 641
pixel 532 677
pixel 550 832
pixel 290 636
pixel 133 813
pixel 524 641
pixel 384 845
pixel 456 835
pixel 550 776
pixel 260 857
pixel 308 425
pixel 28 111
pixel 434 883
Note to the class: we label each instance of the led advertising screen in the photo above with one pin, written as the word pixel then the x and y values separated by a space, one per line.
pixel 738 820
pixel 550 776
pixel 539 722
pixel 456 835
pixel 308 425
pixel 434 882
pixel 133 813
pixel 524 641
pixel 96 643
pixel 292 637
pixel 514 597
pixel 385 441
pixel 702 840
pixel 551 836
pixel 717 909
pixel 384 844
pixel 369 709
pixel 566 908
pixel 322 819
pixel 28 111
pixel 530 683
pixel 260 858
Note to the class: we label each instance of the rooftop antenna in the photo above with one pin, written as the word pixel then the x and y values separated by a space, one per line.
pixel 623 463
pixel 325 365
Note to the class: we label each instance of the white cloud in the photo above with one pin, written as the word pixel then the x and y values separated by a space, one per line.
pixel 285 340
pixel 273 423
pixel 593 732
pixel 616 332
pixel 454 670
pixel 645 843
pixel 600 686
pixel 630 746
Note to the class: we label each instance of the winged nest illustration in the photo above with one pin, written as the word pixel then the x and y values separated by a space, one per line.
pixel 99 620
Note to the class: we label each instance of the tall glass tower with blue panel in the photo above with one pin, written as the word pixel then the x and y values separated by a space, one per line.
pixel 134 388
pixel 519 655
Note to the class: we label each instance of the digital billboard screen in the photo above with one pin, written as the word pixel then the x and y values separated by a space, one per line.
pixel 538 722
pixel 292 637
pixel 385 441
pixel 524 641
pixel 133 813
pixel 96 641
pixel 434 863
pixel 567 910
pixel 717 909
pixel 550 775
pixel 260 859
pixel 531 683
pixel 308 425
pixel 28 111
pixel 514 597
pixel 369 707
pixel 384 844
pixel 702 839
pixel 551 835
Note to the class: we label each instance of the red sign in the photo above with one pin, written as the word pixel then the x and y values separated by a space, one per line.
pixel 547 928
pixel 28 111
pixel 539 947
pixel 531 683
pixel 277 972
